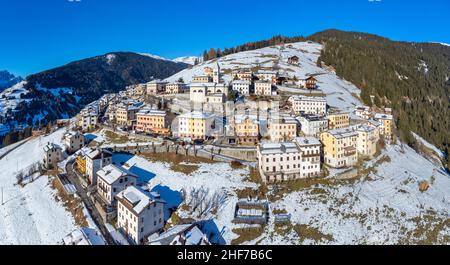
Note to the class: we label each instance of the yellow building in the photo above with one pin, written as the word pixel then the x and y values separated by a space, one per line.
pixel 387 121
pixel 195 125
pixel 80 163
pixel 246 129
pixel 340 147
pixel 126 115
pixel 151 121
pixel 338 120
pixel 282 128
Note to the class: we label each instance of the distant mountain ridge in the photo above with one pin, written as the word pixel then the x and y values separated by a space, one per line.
pixel 64 91
pixel 8 80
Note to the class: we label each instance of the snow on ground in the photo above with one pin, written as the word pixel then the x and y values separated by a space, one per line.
pixel 216 177
pixel 187 59
pixel 385 208
pixel 428 145
pixel 30 215
pixel 339 93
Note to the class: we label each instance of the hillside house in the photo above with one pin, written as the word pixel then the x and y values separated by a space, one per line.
pixel 111 180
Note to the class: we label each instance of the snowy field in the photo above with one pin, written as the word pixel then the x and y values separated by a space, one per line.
pixel 30 215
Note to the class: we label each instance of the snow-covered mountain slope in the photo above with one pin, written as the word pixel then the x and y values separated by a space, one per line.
pixel 7 80
pixel 339 93
pixel 31 215
pixel 187 59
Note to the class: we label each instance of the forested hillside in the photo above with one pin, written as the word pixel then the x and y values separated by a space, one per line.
pixel 412 78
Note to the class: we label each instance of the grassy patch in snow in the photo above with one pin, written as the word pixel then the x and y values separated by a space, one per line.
pixel 312 233
pixel 116 138
pixel 178 162
pixel 246 234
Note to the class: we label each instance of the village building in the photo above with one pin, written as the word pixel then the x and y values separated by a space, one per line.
pixel 84 237
pixel 267 76
pixel 88 121
pixel 282 128
pixel 363 112
pixel 241 86
pixel 175 88
pixel 155 87
pixel 126 114
pixel 184 234
pixel 74 141
pixel 246 129
pixel 52 155
pixel 215 98
pixel 140 213
pixel 338 120
pixel 311 82
pixel 152 121
pixel 243 75
pixel 308 105
pixel 339 147
pixel 202 79
pixel 368 137
pixel 279 161
pixel 293 60
pixel 199 91
pixel 313 125
pixel 310 148
pixel 208 71
pixel 111 180
pixel 387 121
pixel 196 125
pixel 263 88
pixel 95 160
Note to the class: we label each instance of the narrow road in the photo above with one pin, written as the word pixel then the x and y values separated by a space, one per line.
pixel 73 178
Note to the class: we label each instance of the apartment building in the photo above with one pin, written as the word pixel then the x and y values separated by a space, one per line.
pixel 263 88
pixel 310 148
pixel 73 141
pixel 282 128
pixel 387 121
pixel 313 125
pixel 279 161
pixel 308 105
pixel 126 114
pixel 202 79
pixel 151 121
pixel 368 137
pixel 175 88
pixel 363 112
pixel 196 125
pixel 246 129
pixel 88 121
pixel 243 75
pixel 155 87
pixel 241 86
pixel 140 213
pixel 338 120
pixel 267 76
pixel 52 155
pixel 96 158
pixel 111 180
pixel 340 147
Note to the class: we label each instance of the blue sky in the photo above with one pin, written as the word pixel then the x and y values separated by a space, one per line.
pixel 41 34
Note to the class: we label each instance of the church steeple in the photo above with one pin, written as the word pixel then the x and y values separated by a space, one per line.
pixel 216 75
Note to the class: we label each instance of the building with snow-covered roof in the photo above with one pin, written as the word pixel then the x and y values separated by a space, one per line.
pixel 175 88
pixel 84 237
pixel 246 129
pixel 88 121
pixel 140 213
pixel 308 105
pixel 156 86
pixel 198 92
pixel 313 125
pixel 278 161
pixel 195 125
pixel 267 76
pixel 111 180
pixel 96 159
pixel 241 86
pixel 74 141
pixel 387 121
pixel 363 112
pixel 52 155
pixel 126 114
pixel 340 147
pixel 338 120
pixel 310 148
pixel 151 121
pixel 186 234
pixel 368 137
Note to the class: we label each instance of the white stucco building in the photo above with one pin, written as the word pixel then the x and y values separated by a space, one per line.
pixel 309 105
pixel 111 180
